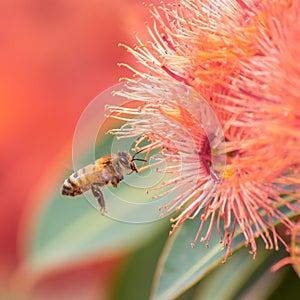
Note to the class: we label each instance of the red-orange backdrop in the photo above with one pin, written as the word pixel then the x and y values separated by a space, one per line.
pixel 56 55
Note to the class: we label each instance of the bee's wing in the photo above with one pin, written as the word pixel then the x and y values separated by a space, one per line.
pixel 87 171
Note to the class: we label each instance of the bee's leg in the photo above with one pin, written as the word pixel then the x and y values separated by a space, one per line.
pixel 97 193
pixel 118 176
pixel 116 179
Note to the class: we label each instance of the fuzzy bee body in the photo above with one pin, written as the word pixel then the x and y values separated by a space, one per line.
pixel 109 169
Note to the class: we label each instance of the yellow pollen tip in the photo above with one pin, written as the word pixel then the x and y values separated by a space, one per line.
pixel 228 173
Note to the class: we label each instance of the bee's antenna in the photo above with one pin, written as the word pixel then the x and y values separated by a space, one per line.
pixel 136 153
pixel 139 159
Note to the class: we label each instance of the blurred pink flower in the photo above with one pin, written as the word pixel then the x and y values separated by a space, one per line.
pixel 55 57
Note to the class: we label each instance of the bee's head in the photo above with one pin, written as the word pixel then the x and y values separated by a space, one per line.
pixel 127 161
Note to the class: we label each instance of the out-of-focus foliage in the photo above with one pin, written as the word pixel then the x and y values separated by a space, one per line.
pixel 55 57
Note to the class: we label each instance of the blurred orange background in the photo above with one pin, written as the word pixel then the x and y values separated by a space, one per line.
pixel 56 56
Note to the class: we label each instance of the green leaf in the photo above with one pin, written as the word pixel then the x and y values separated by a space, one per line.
pixel 134 282
pixel 181 266
pixel 242 277
pixel 289 287
pixel 69 231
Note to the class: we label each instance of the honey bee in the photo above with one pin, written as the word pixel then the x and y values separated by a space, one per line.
pixel 109 169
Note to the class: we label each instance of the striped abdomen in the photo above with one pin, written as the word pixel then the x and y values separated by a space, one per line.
pixel 71 186
pixel 80 181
